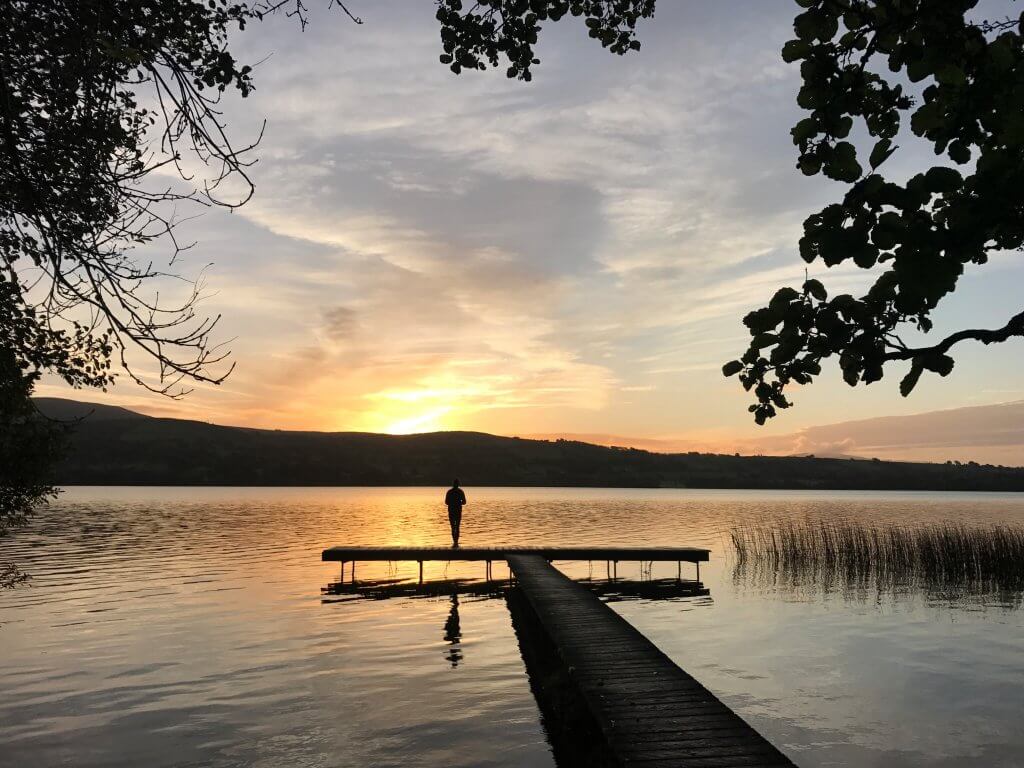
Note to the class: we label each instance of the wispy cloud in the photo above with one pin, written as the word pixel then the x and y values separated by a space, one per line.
pixel 576 253
pixel 989 433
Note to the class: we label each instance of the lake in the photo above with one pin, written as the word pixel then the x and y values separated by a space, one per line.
pixel 187 627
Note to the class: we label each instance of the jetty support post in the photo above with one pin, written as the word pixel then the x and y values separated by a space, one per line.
pixel 611 555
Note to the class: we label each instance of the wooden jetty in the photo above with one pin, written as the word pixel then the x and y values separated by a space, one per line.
pixel 651 712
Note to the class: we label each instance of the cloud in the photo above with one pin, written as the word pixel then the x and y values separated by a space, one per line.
pixel 989 433
pixel 574 254
pixel 339 323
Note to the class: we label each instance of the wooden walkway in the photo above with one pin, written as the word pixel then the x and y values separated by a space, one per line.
pixel 651 712
pixel 660 554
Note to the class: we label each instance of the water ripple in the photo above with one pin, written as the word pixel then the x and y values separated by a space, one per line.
pixel 180 627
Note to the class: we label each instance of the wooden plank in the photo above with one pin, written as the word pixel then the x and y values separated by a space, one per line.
pixel 634 554
pixel 650 711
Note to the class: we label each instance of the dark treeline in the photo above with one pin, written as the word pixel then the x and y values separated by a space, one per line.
pixel 117 447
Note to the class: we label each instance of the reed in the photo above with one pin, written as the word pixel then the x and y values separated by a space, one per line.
pixel 827 553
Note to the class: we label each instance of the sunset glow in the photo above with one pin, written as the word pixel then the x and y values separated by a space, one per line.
pixel 431 421
pixel 431 252
pixel 512 384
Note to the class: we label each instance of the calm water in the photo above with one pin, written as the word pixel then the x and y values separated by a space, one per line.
pixel 186 627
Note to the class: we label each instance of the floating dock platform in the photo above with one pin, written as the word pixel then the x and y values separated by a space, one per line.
pixel 610 555
pixel 635 554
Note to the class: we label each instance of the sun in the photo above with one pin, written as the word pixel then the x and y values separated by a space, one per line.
pixel 430 421
pixel 426 408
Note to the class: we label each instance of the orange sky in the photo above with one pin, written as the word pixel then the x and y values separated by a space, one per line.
pixel 568 256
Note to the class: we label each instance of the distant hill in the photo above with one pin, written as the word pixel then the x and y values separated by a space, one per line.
pixel 70 410
pixel 114 446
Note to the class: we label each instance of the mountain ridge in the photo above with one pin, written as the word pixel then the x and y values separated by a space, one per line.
pixel 142 450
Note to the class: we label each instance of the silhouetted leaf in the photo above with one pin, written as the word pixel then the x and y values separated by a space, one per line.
pixel 939 363
pixel 795 50
pixel 842 164
pixel 881 152
pixel 762 340
pixel 783 296
pixel 910 380
pixel 805 129
pixel 816 289
pixel 943 179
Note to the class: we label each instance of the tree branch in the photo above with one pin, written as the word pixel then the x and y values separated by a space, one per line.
pixel 1015 327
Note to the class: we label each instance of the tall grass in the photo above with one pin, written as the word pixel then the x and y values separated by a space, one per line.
pixel 947 557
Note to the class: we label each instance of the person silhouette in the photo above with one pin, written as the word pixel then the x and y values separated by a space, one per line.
pixel 455 499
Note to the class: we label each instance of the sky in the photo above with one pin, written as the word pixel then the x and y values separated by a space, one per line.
pixel 570 256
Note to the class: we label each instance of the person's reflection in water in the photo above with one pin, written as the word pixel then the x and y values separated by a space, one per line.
pixel 453 634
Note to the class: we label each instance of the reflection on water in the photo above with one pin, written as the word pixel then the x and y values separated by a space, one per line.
pixel 612 589
pixel 453 633
pixel 574 736
pixel 173 627
pixel 385 589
